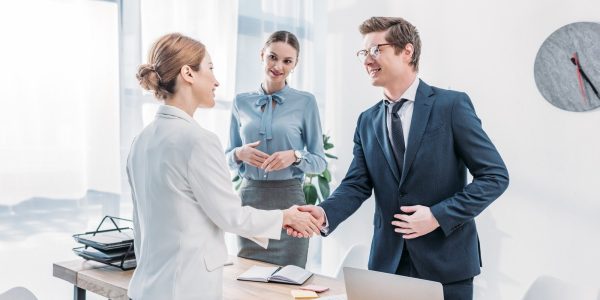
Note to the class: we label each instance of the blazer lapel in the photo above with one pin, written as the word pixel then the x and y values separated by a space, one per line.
pixel 380 129
pixel 420 118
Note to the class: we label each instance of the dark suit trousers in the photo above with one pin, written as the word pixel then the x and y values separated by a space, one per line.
pixel 459 290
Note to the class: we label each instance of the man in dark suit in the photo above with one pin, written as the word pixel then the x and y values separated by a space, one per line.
pixel 413 150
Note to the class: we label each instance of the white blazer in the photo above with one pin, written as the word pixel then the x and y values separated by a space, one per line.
pixel 183 202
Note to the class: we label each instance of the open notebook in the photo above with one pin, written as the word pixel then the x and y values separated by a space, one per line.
pixel 289 274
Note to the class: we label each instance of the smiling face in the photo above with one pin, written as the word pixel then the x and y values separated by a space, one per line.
pixel 386 67
pixel 205 83
pixel 279 59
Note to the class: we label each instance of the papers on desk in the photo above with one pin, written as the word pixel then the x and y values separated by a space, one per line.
pixel 102 255
pixel 289 274
pixel 301 294
pixel 107 239
pixel 113 247
pixel 335 297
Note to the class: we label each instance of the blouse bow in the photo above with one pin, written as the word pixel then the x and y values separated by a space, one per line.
pixel 267 116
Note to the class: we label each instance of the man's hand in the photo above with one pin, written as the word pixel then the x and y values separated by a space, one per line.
pixel 420 223
pixel 317 212
pixel 248 154
pixel 303 223
pixel 279 160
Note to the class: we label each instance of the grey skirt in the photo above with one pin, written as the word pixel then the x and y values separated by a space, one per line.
pixel 269 195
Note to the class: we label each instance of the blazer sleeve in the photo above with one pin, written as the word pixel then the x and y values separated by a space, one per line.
pixel 490 176
pixel 137 233
pixel 210 183
pixel 355 188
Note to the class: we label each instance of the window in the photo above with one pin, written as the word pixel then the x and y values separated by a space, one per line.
pixel 59 143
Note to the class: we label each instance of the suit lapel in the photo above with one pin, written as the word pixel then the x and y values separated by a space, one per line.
pixel 420 118
pixel 380 128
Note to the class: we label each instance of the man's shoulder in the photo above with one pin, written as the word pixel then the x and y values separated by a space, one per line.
pixel 376 107
pixel 370 112
pixel 446 93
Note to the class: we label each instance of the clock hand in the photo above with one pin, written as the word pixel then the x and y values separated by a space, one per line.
pixel 589 82
pixel 575 61
pixel 582 91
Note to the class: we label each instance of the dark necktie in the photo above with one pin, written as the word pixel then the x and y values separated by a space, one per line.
pixel 397 136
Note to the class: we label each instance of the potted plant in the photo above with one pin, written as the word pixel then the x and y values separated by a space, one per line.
pixel 312 194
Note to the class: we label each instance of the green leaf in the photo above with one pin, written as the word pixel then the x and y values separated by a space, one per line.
pixel 326 175
pixel 310 193
pixel 236 178
pixel 331 156
pixel 327 146
pixel 324 187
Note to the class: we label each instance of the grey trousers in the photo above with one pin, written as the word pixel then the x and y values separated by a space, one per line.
pixel 269 195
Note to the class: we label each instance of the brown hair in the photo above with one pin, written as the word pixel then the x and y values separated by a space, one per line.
pixel 166 58
pixel 400 33
pixel 286 37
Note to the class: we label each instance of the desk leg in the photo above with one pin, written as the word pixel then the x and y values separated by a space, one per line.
pixel 78 293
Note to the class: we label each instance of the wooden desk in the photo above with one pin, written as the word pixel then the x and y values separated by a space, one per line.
pixel 112 282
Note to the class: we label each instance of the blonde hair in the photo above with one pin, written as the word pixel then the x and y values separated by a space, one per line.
pixel 166 58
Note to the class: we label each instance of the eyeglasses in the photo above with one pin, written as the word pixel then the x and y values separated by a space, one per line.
pixel 373 51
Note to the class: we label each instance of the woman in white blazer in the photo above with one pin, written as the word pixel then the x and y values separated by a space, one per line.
pixel 182 194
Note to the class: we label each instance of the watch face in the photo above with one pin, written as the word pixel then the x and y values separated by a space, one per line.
pixel 567 67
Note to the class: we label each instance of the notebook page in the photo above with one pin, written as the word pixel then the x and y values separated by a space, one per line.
pixel 291 274
pixel 256 273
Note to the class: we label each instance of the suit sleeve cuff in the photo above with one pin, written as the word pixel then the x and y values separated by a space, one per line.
pixel 442 218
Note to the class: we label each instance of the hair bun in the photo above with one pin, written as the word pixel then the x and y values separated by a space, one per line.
pixel 148 77
pixel 165 59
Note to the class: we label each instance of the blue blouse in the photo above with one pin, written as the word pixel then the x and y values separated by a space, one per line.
pixel 292 124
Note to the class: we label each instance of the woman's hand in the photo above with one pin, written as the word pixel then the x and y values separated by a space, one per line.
pixel 279 160
pixel 248 154
pixel 301 222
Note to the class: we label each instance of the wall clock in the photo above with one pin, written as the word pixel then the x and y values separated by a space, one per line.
pixel 567 67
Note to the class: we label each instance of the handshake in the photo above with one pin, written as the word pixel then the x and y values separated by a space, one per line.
pixel 303 221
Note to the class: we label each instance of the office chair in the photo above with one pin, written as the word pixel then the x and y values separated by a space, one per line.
pixel 550 288
pixel 18 293
pixel 356 257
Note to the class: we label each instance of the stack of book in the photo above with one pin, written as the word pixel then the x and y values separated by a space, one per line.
pixel 112 247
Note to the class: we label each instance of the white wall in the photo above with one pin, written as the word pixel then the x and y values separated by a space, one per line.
pixel 546 223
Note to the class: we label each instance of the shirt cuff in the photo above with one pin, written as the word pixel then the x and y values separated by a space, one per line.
pixel 325 229
pixel 233 162
pixel 303 162
pixel 263 242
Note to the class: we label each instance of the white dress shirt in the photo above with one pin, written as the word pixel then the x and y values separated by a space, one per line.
pixel 405 112
pixel 183 202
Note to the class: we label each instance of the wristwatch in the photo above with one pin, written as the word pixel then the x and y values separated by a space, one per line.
pixel 298 156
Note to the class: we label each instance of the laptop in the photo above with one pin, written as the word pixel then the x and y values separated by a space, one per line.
pixel 368 285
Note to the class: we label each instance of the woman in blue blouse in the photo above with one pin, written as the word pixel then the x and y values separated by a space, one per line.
pixel 275 137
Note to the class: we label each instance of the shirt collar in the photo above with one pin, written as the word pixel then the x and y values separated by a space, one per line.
pixel 281 93
pixel 172 111
pixel 410 94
